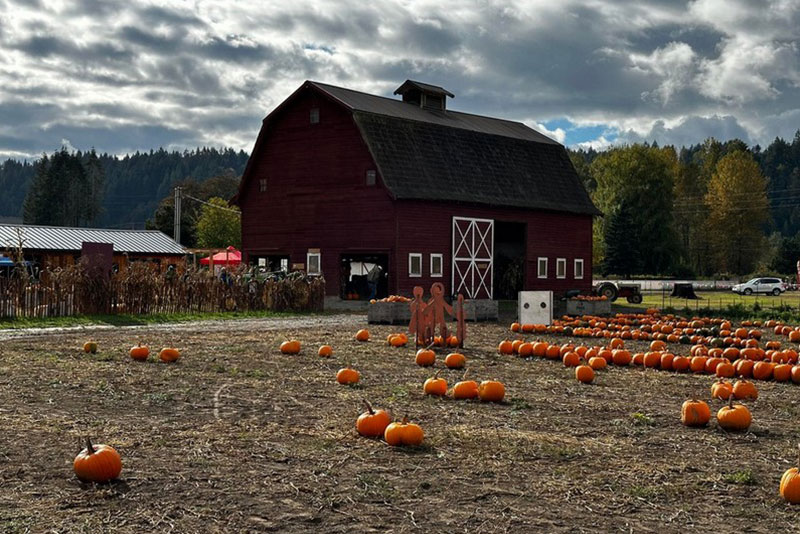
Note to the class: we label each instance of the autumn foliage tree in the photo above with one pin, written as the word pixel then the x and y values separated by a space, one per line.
pixel 219 225
pixel 737 212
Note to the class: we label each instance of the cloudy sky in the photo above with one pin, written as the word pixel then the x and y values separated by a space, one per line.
pixel 128 75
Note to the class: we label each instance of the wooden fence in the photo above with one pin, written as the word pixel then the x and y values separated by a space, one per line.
pixel 143 289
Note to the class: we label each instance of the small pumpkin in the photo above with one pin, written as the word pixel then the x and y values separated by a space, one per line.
pixel 290 347
pixel 435 386
pixel 721 389
pixel 584 374
pixel 90 347
pixel 348 376
pixel 425 357
pixel 491 391
pixel 790 485
pixel 695 413
pixel 372 423
pixel 325 351
pixel 140 352
pixel 362 335
pixel 168 354
pixel 597 363
pixel 97 463
pixel 466 389
pixel 404 433
pixel 455 360
pixel 734 418
pixel 744 389
pixel 505 347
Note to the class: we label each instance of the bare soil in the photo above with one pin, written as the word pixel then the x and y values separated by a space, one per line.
pixel 236 437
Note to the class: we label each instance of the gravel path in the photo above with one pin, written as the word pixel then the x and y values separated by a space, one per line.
pixel 211 325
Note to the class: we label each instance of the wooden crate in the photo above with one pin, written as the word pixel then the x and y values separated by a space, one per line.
pixel 588 307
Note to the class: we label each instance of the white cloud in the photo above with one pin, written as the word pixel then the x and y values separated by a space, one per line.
pixel 128 75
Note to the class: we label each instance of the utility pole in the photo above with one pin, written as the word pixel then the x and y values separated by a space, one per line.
pixel 177 223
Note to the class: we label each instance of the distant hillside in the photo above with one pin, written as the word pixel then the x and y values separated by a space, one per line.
pixel 134 184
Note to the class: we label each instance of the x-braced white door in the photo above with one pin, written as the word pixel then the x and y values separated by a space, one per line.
pixel 473 252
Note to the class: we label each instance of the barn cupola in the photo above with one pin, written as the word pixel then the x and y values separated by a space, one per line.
pixel 424 95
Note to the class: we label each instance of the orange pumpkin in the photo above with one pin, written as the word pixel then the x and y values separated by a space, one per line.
pixel 491 391
pixel 505 347
pixel 734 418
pixel 790 485
pixel 466 389
pixel 435 386
pixel 597 363
pixel 348 376
pixel 362 335
pixel 169 354
pixel 404 433
pixel 721 390
pixel 744 389
pixel 695 413
pixel 97 463
pixel 425 357
pixel 372 423
pixel 584 374
pixel 325 351
pixel 140 352
pixel 455 360
pixel 290 347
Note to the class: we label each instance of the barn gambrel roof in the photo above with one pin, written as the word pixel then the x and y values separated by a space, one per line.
pixel 425 154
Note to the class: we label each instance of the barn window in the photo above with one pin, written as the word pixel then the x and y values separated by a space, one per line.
pixel 371 177
pixel 542 268
pixel 436 265
pixel 561 268
pixel 313 262
pixel 578 269
pixel 262 185
pixel 313 115
pixel 415 265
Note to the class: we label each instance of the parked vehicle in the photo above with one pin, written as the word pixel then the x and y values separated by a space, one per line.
pixel 612 291
pixel 773 286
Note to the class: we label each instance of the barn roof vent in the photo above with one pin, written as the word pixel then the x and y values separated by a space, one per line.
pixel 424 95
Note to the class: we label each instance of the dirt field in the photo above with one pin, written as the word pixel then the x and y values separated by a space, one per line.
pixel 236 437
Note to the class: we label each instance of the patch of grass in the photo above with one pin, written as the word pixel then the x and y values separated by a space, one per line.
pixel 645 492
pixel 518 405
pixel 158 399
pixel 375 486
pixel 744 477
pixel 103 357
pixel 123 319
pixel 398 392
pixel 556 451
pixel 641 419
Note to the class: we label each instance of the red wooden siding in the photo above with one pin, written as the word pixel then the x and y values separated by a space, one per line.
pixel 316 194
pixel 427 228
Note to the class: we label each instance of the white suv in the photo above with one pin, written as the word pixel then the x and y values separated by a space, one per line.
pixel 772 286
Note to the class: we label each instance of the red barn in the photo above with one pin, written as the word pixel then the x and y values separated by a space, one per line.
pixel 340 180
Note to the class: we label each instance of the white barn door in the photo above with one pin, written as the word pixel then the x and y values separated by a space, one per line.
pixel 473 253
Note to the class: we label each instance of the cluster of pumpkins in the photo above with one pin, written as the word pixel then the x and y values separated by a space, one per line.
pixel 139 352
pixel 741 356
pixel 391 298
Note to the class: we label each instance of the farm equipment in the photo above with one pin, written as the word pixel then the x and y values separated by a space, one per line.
pixel 612 291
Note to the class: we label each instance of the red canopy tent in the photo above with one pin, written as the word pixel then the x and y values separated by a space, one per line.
pixel 229 256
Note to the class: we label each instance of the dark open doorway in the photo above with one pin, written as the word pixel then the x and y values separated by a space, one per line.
pixel 354 271
pixel 509 259
pixel 272 263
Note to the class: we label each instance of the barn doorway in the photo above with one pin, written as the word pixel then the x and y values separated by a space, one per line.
pixel 473 257
pixel 272 263
pixel 354 269
pixel 509 259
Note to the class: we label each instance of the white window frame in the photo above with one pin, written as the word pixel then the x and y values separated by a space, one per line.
pixel 578 261
pixel 539 267
pixel 371 177
pixel 440 274
pixel 561 261
pixel 313 116
pixel 308 263
pixel 411 256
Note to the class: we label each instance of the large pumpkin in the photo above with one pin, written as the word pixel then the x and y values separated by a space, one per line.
pixel 491 391
pixel 168 354
pixel 404 433
pixel 140 352
pixel 695 413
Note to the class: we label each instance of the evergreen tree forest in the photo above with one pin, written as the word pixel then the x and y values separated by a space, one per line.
pixel 134 185
pixel 711 209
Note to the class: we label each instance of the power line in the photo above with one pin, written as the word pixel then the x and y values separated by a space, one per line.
pixel 237 212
